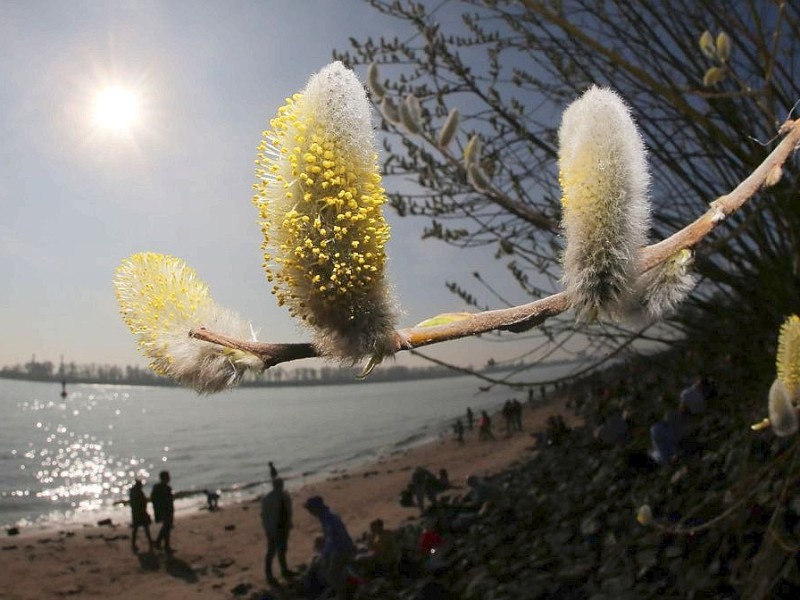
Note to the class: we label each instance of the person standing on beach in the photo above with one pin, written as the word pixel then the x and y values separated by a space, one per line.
pixel 164 509
pixel 508 416
pixel 139 516
pixel 485 426
pixel 458 429
pixel 517 414
pixel 276 518
pixel 470 418
pixel 338 549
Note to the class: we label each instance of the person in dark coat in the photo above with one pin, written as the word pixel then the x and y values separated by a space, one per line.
pixel 517 414
pixel 139 516
pixel 276 518
pixel 458 429
pixel 163 509
pixel 425 486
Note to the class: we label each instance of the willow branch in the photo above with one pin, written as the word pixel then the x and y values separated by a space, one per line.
pixel 723 206
pixel 521 318
pixel 270 354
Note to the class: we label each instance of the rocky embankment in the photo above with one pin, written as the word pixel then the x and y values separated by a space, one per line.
pixel 725 516
pixel 569 530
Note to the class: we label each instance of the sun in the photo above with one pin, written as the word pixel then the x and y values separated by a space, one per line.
pixel 116 109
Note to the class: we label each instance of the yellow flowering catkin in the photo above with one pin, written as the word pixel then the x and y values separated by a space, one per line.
pixel 161 299
pixel 788 356
pixel 319 200
pixel 604 179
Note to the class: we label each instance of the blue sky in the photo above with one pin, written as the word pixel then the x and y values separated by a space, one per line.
pixel 77 199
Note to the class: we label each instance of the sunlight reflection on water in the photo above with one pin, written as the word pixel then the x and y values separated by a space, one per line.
pixel 74 469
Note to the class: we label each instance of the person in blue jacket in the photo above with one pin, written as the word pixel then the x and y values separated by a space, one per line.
pixel 337 551
pixel 666 436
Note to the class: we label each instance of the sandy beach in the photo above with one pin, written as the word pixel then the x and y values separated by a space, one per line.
pixel 219 552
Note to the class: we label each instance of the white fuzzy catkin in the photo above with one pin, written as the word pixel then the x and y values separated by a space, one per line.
pixel 390 111
pixel 450 128
pixel 206 367
pixel 662 289
pixel 478 178
pixel 782 412
pixel 410 114
pixel 644 515
pixel 472 152
pixel 374 82
pixel 606 213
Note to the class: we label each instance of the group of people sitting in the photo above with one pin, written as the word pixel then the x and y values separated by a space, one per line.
pixel 339 565
pixel 671 436
pixel 424 486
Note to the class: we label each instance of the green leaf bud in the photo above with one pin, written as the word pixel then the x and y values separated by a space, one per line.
pixel 444 319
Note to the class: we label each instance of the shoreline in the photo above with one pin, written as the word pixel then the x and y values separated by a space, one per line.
pixel 192 500
pixel 218 551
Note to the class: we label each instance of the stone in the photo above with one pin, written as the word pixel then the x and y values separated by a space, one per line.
pixel 647 558
pixel 241 589
pixel 589 527
pixel 679 474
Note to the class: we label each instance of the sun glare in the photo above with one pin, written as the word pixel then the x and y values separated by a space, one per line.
pixel 116 109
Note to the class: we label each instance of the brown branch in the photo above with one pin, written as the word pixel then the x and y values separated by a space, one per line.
pixel 270 354
pixel 527 316
pixel 723 206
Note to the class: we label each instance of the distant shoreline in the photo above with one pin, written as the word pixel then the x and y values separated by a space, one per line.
pixel 341 377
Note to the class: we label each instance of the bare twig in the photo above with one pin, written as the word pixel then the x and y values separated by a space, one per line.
pixel 527 316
